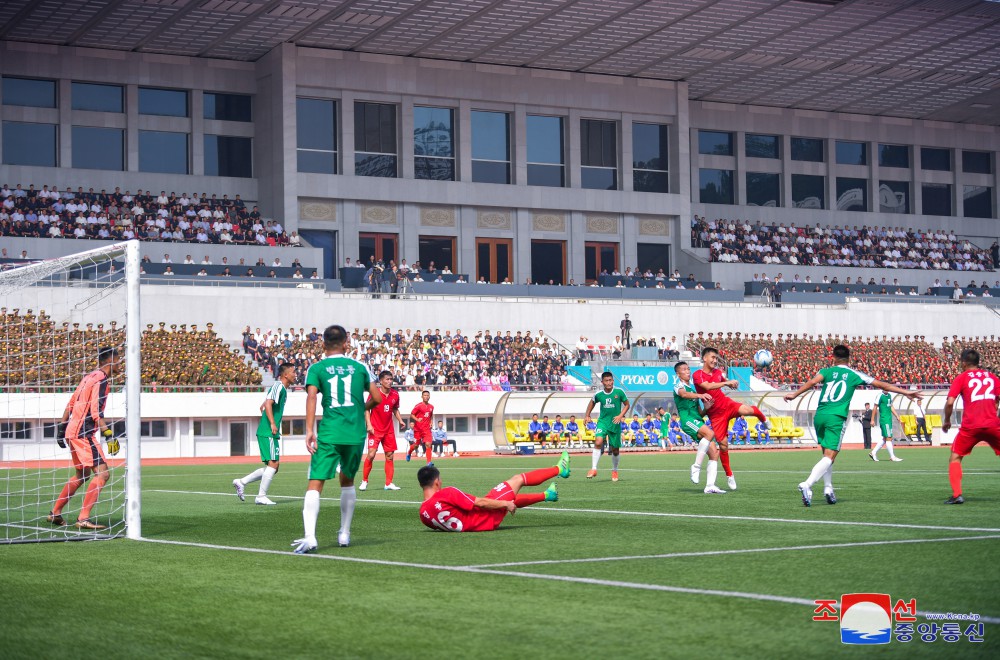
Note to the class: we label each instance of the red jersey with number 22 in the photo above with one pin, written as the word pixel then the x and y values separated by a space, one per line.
pixel 381 415
pixel 978 389
pixel 422 414
pixel 451 510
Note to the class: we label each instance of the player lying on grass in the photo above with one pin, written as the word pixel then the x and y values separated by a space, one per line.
pixel 689 406
pixel 269 436
pixel 978 389
pixel 839 382
pixel 614 404
pixel 451 510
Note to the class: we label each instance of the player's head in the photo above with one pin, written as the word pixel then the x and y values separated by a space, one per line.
pixel 385 379
pixel 108 355
pixel 286 371
pixel 970 357
pixel 440 423
pixel 675 416
pixel 412 424
pixel 572 418
pixel 334 337
pixel 429 477
pixel 709 355
pixel 841 353
pixel 425 396
pixel 683 370
pixel 534 417
pixel 608 380
pixel 558 418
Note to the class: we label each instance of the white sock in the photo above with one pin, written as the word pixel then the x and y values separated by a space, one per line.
pixel 818 470
pixel 888 445
pixel 310 512
pixel 828 480
pixel 597 457
pixel 614 461
pixel 265 481
pixel 253 476
pixel 711 473
pixel 702 450
pixel 348 497
pixel 878 445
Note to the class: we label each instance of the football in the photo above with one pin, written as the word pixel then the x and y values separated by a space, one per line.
pixel 763 358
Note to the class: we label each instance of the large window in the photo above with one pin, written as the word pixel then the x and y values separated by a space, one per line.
pixel 977 202
pixel 599 154
pixel 490 146
pixel 98 98
pixel 167 102
pixel 316 135
pixel 808 191
pixel 15 430
pixel 546 151
pixel 29 144
pixel 935 159
pixel 808 149
pixel 977 162
pixel 763 189
pixel 160 151
pixel 852 194
pixel 653 257
pixel 227 155
pixel 894 196
pixel 433 143
pixel 893 155
pixel 716 186
pixel 156 428
pixel 936 198
pixel 29 92
pixel 852 153
pixel 763 146
pixel 715 143
pixel 98 148
pixel 650 158
pixel 228 107
pixel 375 145
pixel 548 262
pixel 437 250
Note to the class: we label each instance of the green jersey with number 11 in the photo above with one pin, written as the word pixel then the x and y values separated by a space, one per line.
pixel 839 383
pixel 343 383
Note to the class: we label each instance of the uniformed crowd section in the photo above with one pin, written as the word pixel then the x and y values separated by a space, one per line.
pixel 481 360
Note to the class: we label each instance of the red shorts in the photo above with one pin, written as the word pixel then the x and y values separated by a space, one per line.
pixel 388 442
pixel 720 414
pixel 86 452
pixel 504 493
pixel 969 438
pixel 420 435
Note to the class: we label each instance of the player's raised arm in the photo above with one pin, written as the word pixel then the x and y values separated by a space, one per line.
pixel 912 395
pixel 806 386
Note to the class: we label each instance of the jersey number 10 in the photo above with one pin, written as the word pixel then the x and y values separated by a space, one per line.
pixel 833 392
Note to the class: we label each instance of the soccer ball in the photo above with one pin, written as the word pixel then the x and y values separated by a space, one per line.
pixel 763 358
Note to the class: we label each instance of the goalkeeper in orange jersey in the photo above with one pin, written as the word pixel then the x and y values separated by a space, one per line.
pixel 83 426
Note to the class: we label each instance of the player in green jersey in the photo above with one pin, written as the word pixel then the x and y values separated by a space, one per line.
pixel 690 408
pixel 269 435
pixel 839 382
pixel 883 420
pixel 614 404
pixel 342 382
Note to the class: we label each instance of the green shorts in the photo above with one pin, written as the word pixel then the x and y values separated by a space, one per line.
pixel 270 448
pixel 886 429
pixel 328 456
pixel 613 435
pixel 829 431
pixel 691 425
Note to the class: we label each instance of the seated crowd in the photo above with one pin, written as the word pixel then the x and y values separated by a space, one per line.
pixel 118 215
pixel 482 361
pixel 989 349
pixel 764 242
pixel 237 267
pixel 881 286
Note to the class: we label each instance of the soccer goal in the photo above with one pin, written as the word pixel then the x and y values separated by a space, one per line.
pixel 62 320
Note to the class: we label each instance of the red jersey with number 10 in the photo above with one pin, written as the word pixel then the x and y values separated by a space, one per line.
pixel 978 389
pixel 381 415
pixel 422 415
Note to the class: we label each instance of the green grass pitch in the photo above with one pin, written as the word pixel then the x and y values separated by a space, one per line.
pixel 131 599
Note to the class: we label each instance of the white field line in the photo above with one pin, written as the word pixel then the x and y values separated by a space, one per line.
pixel 535 576
pixel 510 468
pixel 655 514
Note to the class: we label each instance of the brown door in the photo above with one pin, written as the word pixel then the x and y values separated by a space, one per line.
pixel 598 257
pixel 494 259
pixel 380 247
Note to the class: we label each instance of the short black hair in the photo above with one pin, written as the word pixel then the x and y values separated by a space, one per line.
pixel 334 335
pixel 677 367
pixel 841 352
pixel 427 475
pixel 424 392
pixel 382 374
pixel 285 365
pixel 106 353
pixel 606 374
pixel 708 349
pixel 970 356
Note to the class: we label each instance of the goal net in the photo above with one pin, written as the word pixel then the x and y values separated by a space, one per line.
pixel 69 340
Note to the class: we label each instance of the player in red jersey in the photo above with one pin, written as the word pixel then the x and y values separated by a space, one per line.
pixel 422 417
pixel 710 380
pixel 978 389
pixel 381 431
pixel 451 510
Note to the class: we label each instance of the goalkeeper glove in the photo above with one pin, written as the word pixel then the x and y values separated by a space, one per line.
pixel 61 434
pixel 113 445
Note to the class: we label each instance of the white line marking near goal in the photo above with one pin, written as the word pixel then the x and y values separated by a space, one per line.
pixel 673 555
pixel 533 576
pixel 655 514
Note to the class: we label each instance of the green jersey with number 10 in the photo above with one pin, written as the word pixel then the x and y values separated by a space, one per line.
pixel 343 383
pixel 839 383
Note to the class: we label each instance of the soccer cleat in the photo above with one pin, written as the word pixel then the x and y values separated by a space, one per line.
pixel 56 519
pixel 363 486
pixel 407 457
pixel 265 500
pixel 455 455
pixel 614 475
pixel 955 500
pixel 896 459
pixel 391 487
pixel 551 495
pixel 592 474
pixel 830 497
pixel 563 465
pixel 343 539
pixel 238 485
pixel 714 490
pixel 871 455
pixel 304 546
pixel 87 523
pixel 695 474
pixel 807 494
pixel 731 482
